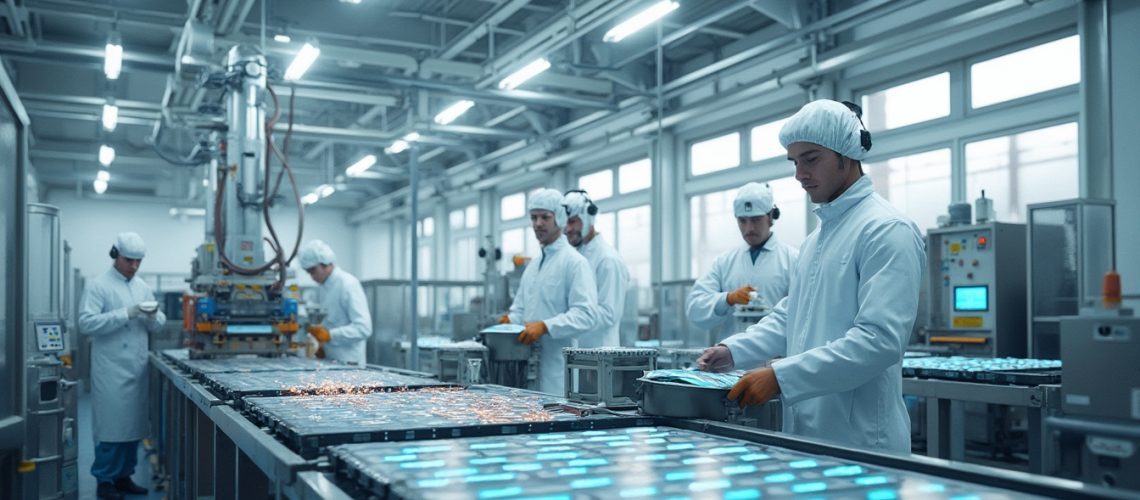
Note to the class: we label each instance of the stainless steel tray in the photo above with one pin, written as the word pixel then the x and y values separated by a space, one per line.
pixel 670 399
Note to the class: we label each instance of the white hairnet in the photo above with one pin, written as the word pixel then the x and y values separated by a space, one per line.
pixel 130 245
pixel 577 205
pixel 316 252
pixel 753 200
pixel 548 199
pixel 826 123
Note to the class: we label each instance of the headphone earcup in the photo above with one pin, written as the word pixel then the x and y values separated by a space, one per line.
pixel 592 209
pixel 865 140
pixel 775 213
pixel 114 253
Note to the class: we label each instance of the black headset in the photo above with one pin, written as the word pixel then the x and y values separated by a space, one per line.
pixel 591 208
pixel 114 252
pixel 864 135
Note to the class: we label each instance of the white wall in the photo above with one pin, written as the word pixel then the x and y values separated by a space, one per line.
pixel 1125 20
pixel 90 226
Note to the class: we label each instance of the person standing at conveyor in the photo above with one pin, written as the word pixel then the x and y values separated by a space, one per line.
pixel 557 296
pixel 111 312
pixel 348 323
pixel 853 299
pixel 610 273
pixel 762 265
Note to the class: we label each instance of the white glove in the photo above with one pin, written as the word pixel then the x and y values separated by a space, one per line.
pixel 134 312
pixel 716 359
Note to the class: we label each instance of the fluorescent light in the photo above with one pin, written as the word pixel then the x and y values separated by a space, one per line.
pixel 310 198
pixel 100 186
pixel 361 165
pixel 206 183
pixel 187 212
pixel 282 38
pixel 103 175
pixel 302 61
pixel 640 20
pixel 106 155
pixel 454 111
pixel 412 136
pixel 354 2
pixel 113 60
pixel 397 147
pixel 526 73
pixel 325 190
pixel 110 116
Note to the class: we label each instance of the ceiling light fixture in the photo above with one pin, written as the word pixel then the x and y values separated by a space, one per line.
pixel 110 116
pixel 526 73
pixel 361 165
pixel 453 112
pixel 325 190
pixel 282 38
pixel 106 155
pixel 400 145
pixel 640 20
pixel 305 58
pixel 113 56
pixel 310 198
pixel 103 175
pixel 100 186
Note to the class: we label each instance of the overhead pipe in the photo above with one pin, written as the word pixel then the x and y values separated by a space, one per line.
pixel 481 28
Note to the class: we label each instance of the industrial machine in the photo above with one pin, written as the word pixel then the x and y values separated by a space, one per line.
pixel 1071 245
pixel 240 304
pixel 977 290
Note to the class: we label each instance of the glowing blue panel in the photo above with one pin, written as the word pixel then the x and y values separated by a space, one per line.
pixel 487 446
pixel 595 433
pixel 639 430
pixel 432 483
pixel 870 480
pixel 679 476
pixel 845 470
pixel 556 456
pixel 728 449
pixel 619 444
pixel 487 460
pixel 808 487
pixel 594 482
pixel 749 494
pixel 882 495
pixel 588 462
pixel 803 464
pixel 423 465
pixel 647 491
pixel 546 497
pixel 609 438
pixel 680 446
pixel 782 477
pixel 933 488
pixel 966 497
pixel 547 437
pixel 654 457
pixel 572 471
pixel 552 449
pixel 399 458
pixel 699 460
pixel 456 472
pixel 752 457
pixel 506 476
pixel 654 441
pixel 718 484
pixel 501 492
pixel 738 469
pixel 522 467
pixel 426 449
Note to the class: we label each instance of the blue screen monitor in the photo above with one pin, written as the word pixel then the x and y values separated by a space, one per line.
pixel 972 298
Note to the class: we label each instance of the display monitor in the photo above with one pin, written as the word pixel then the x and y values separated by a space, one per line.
pixel 972 298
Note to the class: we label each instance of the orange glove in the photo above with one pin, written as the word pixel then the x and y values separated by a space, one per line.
pixel 740 296
pixel 319 332
pixel 321 352
pixel 532 332
pixel 504 319
pixel 755 387
pixel 520 260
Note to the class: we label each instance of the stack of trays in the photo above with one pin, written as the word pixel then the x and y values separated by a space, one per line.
pixel 241 385
pixel 633 462
pixel 309 423
pixel 1004 371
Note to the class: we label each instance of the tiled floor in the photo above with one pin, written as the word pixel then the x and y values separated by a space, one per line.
pixel 87 455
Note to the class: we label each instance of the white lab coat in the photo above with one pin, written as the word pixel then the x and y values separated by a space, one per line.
pixel 707 306
pixel 118 355
pixel 347 318
pixel 845 325
pixel 612 278
pixel 558 289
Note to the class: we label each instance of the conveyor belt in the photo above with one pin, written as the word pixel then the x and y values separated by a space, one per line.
pixel 309 423
pixel 1004 371
pixel 635 462
pixel 238 386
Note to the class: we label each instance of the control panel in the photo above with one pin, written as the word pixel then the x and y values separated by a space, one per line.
pixel 49 336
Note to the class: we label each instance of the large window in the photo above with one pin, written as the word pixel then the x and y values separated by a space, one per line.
pixel 713 228
pixel 907 104
pixel 512 206
pixel 1021 169
pixel 464 259
pixel 600 185
pixel 635 176
pixel 791 229
pixel 633 244
pixel 765 141
pixel 1036 69
pixel 715 154
pixel 426 229
pixel 605 224
pixel 918 185
pixel 471 217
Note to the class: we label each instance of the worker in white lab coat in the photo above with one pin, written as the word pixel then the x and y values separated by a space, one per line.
pixel 111 314
pixel 763 264
pixel 610 273
pixel 348 323
pixel 557 296
pixel 854 295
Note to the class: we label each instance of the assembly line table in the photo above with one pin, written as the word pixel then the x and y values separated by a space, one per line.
pixel 945 432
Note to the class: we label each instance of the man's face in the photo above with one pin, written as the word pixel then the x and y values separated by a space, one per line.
pixel 545 229
pixel 755 230
pixel 320 272
pixel 822 172
pixel 574 230
pixel 127 267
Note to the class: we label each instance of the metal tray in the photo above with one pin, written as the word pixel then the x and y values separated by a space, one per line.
pixel 670 399
pixel 308 424
pixel 239 386
pixel 505 346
